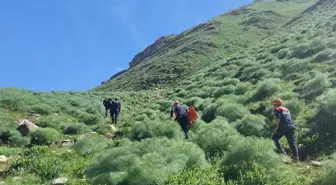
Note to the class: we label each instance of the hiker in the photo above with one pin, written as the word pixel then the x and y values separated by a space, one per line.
pixel 107 103
pixel 181 117
pixel 284 127
pixel 115 110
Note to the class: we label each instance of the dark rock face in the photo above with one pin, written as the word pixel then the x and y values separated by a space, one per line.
pixel 152 49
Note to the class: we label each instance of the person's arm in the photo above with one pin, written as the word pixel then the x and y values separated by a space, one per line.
pixel 119 108
pixel 277 120
pixel 172 113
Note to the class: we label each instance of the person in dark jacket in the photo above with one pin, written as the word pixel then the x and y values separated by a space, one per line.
pixel 284 127
pixel 179 114
pixel 115 110
pixel 107 103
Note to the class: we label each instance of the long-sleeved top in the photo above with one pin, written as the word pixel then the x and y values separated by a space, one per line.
pixel 179 110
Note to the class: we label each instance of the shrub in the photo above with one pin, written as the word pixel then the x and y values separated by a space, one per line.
pixel 195 101
pixel 76 128
pixel 4 135
pixel 328 175
pixel 224 90
pixel 151 161
pixel 197 176
pixel 52 121
pixel 141 117
pixel 44 136
pixel 232 111
pixel 324 122
pixel 19 141
pixel 266 88
pixel 262 73
pixel 4 150
pixel 49 164
pixel 102 129
pixel 90 144
pixel 283 53
pixel 333 55
pixel 242 88
pixel 42 108
pixel 150 113
pixel 215 138
pixel 323 56
pixel 209 113
pixel 251 125
pixel 90 119
pixel 251 157
pixel 316 86
pixel 16 100
pixel 229 81
pixel 295 106
pixel 155 128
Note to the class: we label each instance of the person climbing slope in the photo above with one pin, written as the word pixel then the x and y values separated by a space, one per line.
pixel 115 110
pixel 107 103
pixel 284 127
pixel 179 114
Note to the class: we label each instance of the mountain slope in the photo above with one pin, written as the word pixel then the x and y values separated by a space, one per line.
pixel 175 57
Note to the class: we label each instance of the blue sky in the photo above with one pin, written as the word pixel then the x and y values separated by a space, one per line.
pixel 75 44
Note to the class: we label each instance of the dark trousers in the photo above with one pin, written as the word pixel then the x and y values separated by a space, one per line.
pixel 106 111
pixel 114 117
pixel 183 121
pixel 289 133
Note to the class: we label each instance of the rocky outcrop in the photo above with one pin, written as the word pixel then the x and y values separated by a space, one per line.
pixel 4 163
pixel 62 180
pixel 25 126
pixel 152 49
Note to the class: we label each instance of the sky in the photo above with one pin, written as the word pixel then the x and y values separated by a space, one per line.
pixel 66 45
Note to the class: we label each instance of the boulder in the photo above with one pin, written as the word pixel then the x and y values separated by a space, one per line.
pixel 113 129
pixel 25 126
pixel 315 163
pixel 16 178
pixel 110 135
pixel 61 180
pixel 3 159
pixel 4 163
pixel 67 142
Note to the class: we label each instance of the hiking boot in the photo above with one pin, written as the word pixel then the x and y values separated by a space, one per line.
pixel 296 159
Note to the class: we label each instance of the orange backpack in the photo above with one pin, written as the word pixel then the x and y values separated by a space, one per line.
pixel 192 115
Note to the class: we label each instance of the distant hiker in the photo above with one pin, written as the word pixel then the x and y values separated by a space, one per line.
pixel 107 104
pixel 284 127
pixel 115 110
pixel 179 114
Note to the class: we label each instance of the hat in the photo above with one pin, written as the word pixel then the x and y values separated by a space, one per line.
pixel 277 102
pixel 176 102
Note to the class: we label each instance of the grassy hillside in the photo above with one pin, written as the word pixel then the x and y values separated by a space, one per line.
pixel 229 145
pixel 173 58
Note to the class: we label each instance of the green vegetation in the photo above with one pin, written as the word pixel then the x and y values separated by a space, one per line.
pixel 172 58
pixel 229 145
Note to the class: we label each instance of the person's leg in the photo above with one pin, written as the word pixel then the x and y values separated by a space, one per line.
pixel 276 137
pixel 106 111
pixel 115 117
pixel 185 128
pixel 112 117
pixel 291 139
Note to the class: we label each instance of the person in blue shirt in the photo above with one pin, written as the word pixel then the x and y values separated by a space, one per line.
pixel 179 114
pixel 284 127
